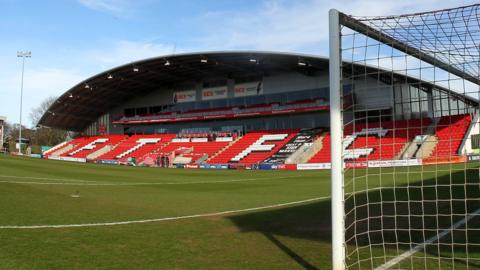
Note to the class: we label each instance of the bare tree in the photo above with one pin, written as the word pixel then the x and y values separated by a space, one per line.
pixel 45 135
pixel 7 133
pixel 37 113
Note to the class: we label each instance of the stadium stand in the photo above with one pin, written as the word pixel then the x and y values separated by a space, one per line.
pixel 323 155
pixel 208 147
pixel 386 140
pixel 391 138
pixel 374 141
pixel 136 146
pixel 235 117
pixel 78 144
pixel 255 147
pixel 55 148
pixel 95 145
pixel 301 138
pixel 450 132
pixel 64 148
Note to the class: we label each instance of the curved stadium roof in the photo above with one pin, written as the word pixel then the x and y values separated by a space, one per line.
pixel 85 102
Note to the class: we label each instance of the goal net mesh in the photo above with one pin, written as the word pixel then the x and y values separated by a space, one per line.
pixel 411 140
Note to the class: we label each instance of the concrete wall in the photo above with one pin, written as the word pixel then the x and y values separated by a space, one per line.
pixel 308 120
pixel 369 94
pixel 279 83
pixel 372 94
pixel 474 130
pixel 288 82
pixel 276 83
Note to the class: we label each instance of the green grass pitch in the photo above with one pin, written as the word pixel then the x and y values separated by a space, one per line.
pixel 43 192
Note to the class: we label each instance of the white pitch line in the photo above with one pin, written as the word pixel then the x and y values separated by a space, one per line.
pixel 45 178
pixel 433 239
pixel 96 183
pixel 60 226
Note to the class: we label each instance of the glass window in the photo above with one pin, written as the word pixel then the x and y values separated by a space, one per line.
pixel 476 141
pixel 156 109
pixel 277 98
pixel 202 105
pixel 255 100
pixel 160 130
pixel 219 103
pixel 237 102
pixel 300 95
pixel 129 112
pixel 141 111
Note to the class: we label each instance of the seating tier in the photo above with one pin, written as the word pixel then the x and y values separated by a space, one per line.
pixel 233 153
pixel 387 146
pixel 450 132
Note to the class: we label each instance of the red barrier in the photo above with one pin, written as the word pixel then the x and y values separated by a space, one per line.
pixel 444 160
pixel 356 165
pixel 191 166
pixel 179 118
pixel 289 167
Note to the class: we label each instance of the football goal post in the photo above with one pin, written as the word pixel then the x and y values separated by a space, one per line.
pixel 405 140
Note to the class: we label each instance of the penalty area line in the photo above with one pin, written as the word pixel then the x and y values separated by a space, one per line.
pixel 431 240
pixel 61 226
pixel 44 178
pixel 97 183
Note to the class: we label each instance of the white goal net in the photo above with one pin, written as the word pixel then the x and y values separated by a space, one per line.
pixel 405 140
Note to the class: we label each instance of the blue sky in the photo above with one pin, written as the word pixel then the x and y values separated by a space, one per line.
pixel 71 40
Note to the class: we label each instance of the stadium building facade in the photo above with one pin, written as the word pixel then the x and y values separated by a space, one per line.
pixel 252 108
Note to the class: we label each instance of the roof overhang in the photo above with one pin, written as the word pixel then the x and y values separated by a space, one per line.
pixel 85 102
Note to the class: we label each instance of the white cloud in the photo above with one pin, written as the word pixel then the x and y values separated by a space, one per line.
pixel 125 51
pixel 280 25
pixel 52 78
pixel 116 7
pixel 38 85
pixel 51 81
pixel 296 25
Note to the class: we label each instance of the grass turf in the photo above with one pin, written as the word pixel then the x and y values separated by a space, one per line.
pixel 293 237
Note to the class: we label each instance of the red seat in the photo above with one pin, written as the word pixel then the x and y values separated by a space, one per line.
pixel 246 141
pixel 132 142
pixel 384 148
pixel 450 132
pixel 111 141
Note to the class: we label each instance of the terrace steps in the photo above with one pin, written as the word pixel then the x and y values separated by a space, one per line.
pixel 62 150
pixel 427 147
pixel 223 149
pixel 99 152
pixel 306 152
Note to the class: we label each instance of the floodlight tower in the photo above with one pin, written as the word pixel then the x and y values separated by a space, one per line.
pixel 23 55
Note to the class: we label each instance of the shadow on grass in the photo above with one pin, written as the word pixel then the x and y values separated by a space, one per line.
pixel 299 259
pixel 310 221
pixel 389 220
